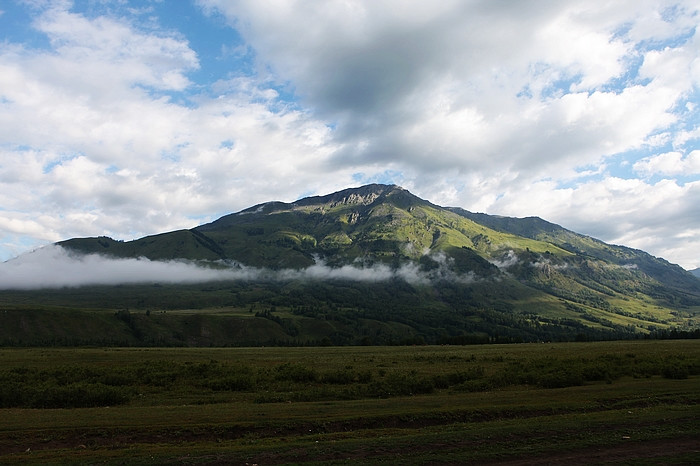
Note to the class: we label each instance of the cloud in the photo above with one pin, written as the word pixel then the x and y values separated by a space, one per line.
pixel 509 259
pixel 125 122
pixel 475 105
pixel 670 163
pixel 649 216
pixel 464 87
pixel 55 267
pixel 91 140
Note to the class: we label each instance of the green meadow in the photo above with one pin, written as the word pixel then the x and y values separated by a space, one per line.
pixel 581 403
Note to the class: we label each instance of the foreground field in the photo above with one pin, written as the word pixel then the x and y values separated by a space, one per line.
pixel 575 403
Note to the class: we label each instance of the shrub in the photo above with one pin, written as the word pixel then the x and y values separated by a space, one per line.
pixel 456 378
pixel 13 395
pixel 339 377
pixel 232 383
pixel 561 379
pixel 397 384
pixel 117 380
pixel 675 371
pixel 295 373
pixel 77 395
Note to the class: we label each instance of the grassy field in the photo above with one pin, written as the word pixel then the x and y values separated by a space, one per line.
pixel 577 403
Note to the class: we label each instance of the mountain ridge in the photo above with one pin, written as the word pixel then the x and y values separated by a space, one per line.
pixel 538 228
pixel 360 201
pixel 378 256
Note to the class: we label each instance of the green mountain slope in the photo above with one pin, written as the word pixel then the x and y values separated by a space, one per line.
pixel 536 228
pixel 453 275
pixel 375 223
pixel 181 244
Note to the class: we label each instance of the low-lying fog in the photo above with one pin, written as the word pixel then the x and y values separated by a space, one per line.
pixel 54 267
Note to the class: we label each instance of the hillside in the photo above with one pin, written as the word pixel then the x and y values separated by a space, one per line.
pixel 375 223
pixel 378 265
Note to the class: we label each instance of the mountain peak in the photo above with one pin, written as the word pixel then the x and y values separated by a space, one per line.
pixel 363 195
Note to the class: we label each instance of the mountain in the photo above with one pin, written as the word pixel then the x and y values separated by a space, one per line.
pixel 696 272
pixel 396 268
pixel 375 223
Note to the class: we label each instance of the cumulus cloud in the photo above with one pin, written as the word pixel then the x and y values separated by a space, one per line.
pixel 463 87
pixel 489 99
pixel 670 163
pixel 653 217
pixel 91 142
pixel 113 124
pixel 55 267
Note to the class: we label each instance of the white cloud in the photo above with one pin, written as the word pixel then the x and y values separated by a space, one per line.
pixel 476 89
pixel 506 108
pixel 146 59
pixel 629 212
pixel 670 163
pixel 55 267
pixel 89 146
pixel 509 259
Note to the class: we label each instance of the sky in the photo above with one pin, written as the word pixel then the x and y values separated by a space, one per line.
pixel 129 118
